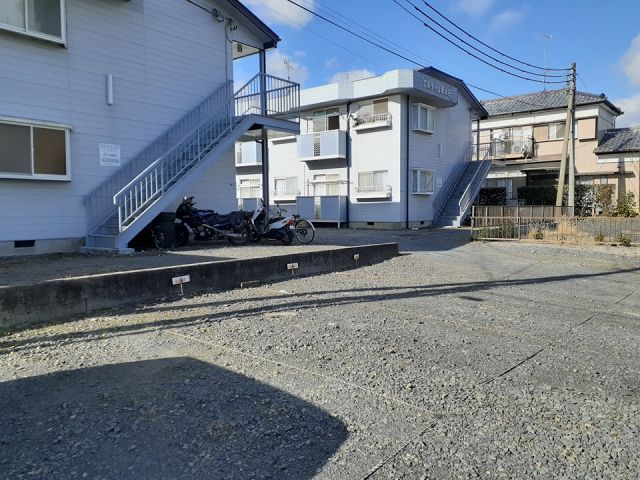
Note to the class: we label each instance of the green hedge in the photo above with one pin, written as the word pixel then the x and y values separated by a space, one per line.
pixel 587 197
pixel 492 196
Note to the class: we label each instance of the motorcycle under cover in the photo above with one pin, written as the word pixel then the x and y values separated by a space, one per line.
pixel 232 218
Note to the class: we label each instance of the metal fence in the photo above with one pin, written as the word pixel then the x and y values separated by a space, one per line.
pixel 551 224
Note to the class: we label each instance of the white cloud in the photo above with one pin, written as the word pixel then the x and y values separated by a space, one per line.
pixel 631 108
pixel 331 62
pixel 282 12
pixel 351 75
pixel 276 66
pixel 473 8
pixel 630 61
pixel 507 19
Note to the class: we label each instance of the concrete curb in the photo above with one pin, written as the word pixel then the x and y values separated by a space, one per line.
pixel 58 299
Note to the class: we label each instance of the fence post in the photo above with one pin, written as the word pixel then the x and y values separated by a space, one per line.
pixel 518 215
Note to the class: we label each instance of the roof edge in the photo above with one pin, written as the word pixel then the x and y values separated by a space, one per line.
pixel 253 18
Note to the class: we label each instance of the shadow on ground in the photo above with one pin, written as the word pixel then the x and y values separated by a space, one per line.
pixel 175 418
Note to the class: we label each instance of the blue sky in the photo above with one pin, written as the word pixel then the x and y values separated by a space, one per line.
pixel 603 38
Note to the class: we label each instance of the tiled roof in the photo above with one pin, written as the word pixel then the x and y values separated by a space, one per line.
pixel 547 100
pixel 620 140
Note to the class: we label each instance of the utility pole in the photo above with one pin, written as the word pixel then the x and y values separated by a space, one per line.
pixel 568 131
pixel 572 152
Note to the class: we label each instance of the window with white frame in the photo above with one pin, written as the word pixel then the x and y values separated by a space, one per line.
pixel 375 181
pixel 286 186
pixel 327 119
pixel 423 118
pixel 422 181
pixel 373 108
pixel 328 184
pixel 249 188
pixel 556 131
pixel 34 152
pixel 37 18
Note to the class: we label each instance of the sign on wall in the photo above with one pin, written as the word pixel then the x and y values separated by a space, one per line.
pixel 109 155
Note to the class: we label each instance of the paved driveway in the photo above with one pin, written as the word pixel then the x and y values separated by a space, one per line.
pixel 455 360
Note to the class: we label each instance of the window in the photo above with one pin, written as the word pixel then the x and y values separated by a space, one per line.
pixel 38 18
pixel 326 184
pixel 286 186
pixel 328 119
pixel 34 151
pixel 249 188
pixel 423 118
pixel 556 131
pixel 422 181
pixel 372 181
pixel 375 107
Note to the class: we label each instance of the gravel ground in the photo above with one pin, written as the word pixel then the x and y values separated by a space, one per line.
pixel 456 360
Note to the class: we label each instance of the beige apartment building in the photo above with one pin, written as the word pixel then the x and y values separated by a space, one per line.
pixel 523 137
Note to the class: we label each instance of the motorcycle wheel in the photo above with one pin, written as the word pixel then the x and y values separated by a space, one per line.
pixel 182 235
pixel 255 238
pixel 289 238
pixel 243 239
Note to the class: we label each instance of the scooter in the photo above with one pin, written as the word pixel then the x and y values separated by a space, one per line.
pixel 201 225
pixel 280 228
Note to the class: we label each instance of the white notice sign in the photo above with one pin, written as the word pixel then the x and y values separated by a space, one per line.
pixel 439 181
pixel 109 155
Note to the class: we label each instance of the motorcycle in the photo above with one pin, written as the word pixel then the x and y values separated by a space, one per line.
pixel 201 225
pixel 280 227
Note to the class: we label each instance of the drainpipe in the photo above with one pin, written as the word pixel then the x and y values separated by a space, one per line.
pixel 406 193
pixel 264 136
pixel 348 165
pixel 478 138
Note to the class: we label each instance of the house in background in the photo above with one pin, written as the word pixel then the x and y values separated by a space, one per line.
pixel 620 148
pixel 112 110
pixel 390 151
pixel 523 136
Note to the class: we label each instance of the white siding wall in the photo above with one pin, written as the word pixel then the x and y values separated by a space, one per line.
pixel 165 56
pixel 379 149
pixel 452 135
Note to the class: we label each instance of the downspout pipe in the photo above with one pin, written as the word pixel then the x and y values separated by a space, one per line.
pixel 264 136
pixel 407 173
pixel 348 216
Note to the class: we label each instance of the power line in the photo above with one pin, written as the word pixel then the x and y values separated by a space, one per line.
pixel 490 47
pixel 355 34
pixel 394 53
pixel 480 51
pixel 465 50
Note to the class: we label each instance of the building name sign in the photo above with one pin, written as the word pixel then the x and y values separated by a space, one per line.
pixel 109 155
pixel 441 94
pixel 438 87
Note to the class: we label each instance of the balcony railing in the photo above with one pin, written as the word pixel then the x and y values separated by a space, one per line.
pixel 330 144
pixel 373 191
pixel 506 148
pixel 248 154
pixel 376 120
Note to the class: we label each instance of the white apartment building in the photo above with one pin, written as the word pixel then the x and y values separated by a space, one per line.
pixel 382 152
pixel 112 110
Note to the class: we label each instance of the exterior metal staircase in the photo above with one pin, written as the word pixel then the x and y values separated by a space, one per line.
pixel 456 202
pixel 130 199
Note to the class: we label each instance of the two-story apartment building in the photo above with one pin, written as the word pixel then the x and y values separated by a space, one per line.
pixel 377 152
pixel 111 110
pixel 523 136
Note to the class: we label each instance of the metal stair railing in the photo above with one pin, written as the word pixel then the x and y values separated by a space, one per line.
pixel 268 95
pixel 100 200
pixel 440 202
pixel 279 97
pixel 472 189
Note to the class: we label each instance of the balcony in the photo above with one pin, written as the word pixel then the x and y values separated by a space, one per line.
pixel 373 192
pixel 367 122
pixel 328 145
pixel 248 154
pixel 522 148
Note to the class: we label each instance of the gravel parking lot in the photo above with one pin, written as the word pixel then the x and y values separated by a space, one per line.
pixel 454 360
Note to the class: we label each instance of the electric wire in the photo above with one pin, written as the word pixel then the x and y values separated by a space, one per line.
pixel 467 51
pixel 480 51
pixel 414 62
pixel 489 46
